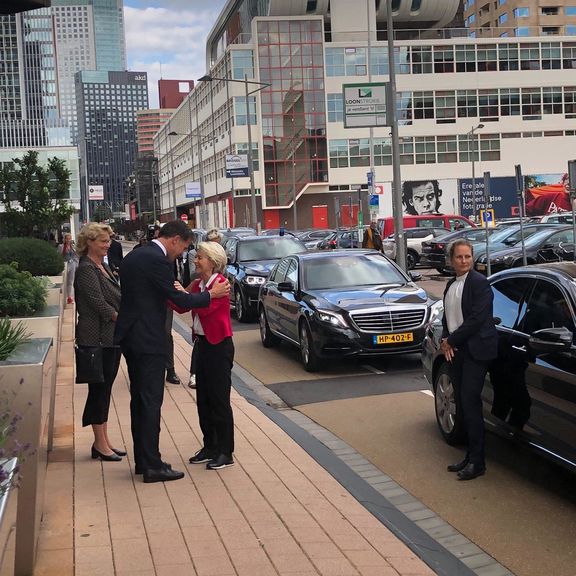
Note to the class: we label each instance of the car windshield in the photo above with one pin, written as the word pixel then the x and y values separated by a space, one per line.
pixel 500 235
pixel 269 248
pixel 535 239
pixel 350 271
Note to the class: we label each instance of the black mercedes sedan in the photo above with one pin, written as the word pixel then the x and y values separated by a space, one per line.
pixel 250 259
pixel 342 303
pixel 540 247
pixel 530 391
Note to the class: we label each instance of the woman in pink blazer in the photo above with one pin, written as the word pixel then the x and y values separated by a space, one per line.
pixel 213 356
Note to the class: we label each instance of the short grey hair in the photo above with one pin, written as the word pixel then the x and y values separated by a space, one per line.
pixel 215 253
pixel 214 235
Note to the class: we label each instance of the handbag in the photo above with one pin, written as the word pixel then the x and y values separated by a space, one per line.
pixel 89 365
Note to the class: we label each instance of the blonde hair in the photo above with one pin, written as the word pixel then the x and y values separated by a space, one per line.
pixel 91 231
pixel 213 235
pixel 215 253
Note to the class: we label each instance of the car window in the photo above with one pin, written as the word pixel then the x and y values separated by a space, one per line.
pixel 292 272
pixel 508 301
pixel 563 236
pixel 269 248
pixel 475 234
pixel 230 249
pixel 548 307
pixel 427 222
pixel 350 271
pixel 280 271
pixel 517 236
pixel 456 223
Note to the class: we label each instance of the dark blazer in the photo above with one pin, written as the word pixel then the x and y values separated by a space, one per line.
pixel 477 332
pixel 115 254
pixel 97 299
pixel 147 280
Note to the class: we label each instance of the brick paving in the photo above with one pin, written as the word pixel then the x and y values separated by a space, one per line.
pixel 276 512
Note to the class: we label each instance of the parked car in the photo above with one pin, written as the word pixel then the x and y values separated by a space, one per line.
pixel 276 232
pixel 239 231
pixel 434 251
pixel 529 392
pixel 557 218
pixel 414 238
pixel 342 303
pixel 448 221
pixel 312 237
pixel 342 238
pixel 540 247
pixel 250 259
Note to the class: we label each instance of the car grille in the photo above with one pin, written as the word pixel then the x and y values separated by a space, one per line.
pixel 389 320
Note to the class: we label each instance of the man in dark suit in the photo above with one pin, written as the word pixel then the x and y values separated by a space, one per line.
pixel 147 283
pixel 470 343
pixel 115 254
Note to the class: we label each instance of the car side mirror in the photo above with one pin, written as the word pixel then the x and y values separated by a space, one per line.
pixel 415 276
pixel 551 340
pixel 285 287
pixel 497 321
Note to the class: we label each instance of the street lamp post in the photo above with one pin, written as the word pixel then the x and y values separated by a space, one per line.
pixel 86 186
pixel 261 86
pixel 175 210
pixel 472 139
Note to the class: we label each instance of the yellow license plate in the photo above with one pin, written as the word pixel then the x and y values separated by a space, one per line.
pixel 480 266
pixel 394 338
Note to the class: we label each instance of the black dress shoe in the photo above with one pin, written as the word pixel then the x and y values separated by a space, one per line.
pixel 172 378
pixel 162 475
pixel 220 462
pixel 96 455
pixel 458 466
pixel 119 452
pixel 471 471
pixel 140 469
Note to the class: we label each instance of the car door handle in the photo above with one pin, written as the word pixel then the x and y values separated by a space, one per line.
pixel 519 348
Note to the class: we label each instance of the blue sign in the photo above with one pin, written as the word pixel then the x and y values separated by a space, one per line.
pixel 373 200
pixel 370 178
pixel 193 190
pixel 503 199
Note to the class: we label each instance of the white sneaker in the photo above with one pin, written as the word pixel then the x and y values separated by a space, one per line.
pixel 192 381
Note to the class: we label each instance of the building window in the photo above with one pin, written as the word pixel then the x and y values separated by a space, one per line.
pixel 404 108
pixel 570 30
pixel 529 57
pixel 467 101
pixel 443 59
pixel 522 31
pixel 421 59
pixel 503 18
pixel 508 58
pixel 335 108
pixel 552 100
pixel 445 107
pixel 489 147
pixel 242 64
pixel 509 101
pixel 447 149
pixel 550 30
pixel 359 150
pixel 379 61
pixel 487 58
pixel 501 2
pixel 570 101
pixel 425 149
pixel 345 61
pixel 423 105
pixel 549 10
pixel 465 58
pixel 382 152
pixel 551 55
pixel 241 113
pixel 531 104
pixel 488 105
pixel 407 150
pixel 338 152
pixel 521 12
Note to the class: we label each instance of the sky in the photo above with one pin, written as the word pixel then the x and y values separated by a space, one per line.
pixel 167 38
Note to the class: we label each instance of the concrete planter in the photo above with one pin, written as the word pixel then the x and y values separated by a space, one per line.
pixel 28 375
pixel 8 510
pixel 46 324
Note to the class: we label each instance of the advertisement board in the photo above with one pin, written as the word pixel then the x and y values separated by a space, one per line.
pixel 193 190
pixel 95 192
pixel 237 166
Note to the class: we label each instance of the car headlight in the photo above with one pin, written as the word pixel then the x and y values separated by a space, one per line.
pixel 436 312
pixel 254 280
pixel 331 318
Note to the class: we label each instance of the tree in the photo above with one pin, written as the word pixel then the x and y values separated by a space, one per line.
pixel 35 197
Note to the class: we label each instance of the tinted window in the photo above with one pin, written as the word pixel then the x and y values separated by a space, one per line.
pixel 280 271
pixel 269 248
pixel 349 271
pixel 548 307
pixel 507 301
pixel 428 222
pixel 230 248
pixel 456 223
pixel 292 272
pixel 564 236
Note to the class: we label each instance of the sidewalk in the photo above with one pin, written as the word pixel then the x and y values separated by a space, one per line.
pixel 276 512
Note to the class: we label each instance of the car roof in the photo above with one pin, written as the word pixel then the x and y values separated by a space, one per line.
pixel 565 270
pixel 253 237
pixel 314 255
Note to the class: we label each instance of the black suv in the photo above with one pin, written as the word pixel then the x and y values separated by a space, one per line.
pixel 250 259
pixel 529 393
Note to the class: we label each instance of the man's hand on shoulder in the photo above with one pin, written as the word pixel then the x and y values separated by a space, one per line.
pixel 220 289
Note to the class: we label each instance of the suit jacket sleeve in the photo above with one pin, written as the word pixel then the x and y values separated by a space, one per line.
pixel 445 332
pixel 481 308
pixel 88 284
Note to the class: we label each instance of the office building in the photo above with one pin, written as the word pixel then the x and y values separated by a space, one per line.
pixel 14 6
pixel 148 122
pixel 107 103
pixel 89 35
pixel 521 17
pixel 172 92
pixel 462 101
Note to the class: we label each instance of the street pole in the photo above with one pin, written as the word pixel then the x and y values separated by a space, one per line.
pixel 520 193
pixel 203 223
pixel 397 182
pixel 172 175
pixel 472 138
pixel 486 199
pixel 371 141
pixel 254 217
pixel 217 222
pixel 154 175
pixel 294 188
pixel 87 186
pixel 572 185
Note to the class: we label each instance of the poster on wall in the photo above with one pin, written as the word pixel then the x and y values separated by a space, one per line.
pixel 547 194
pixel 421 197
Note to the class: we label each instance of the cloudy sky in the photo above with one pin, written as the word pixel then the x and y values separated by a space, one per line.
pixel 167 38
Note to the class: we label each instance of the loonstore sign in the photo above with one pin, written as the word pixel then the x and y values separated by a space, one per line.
pixel 237 166
pixel 365 105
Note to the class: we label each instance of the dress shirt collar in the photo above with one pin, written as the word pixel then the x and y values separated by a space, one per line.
pixel 158 243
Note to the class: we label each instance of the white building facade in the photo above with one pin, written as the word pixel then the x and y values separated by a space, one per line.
pixel 511 100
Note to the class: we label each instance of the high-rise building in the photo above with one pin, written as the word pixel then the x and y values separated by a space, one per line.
pixel 464 105
pixel 107 103
pixel 89 35
pixel 521 17
pixel 173 92
pixel 148 122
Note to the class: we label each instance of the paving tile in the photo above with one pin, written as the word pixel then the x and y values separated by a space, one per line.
pixel 410 566
pixel 132 555
pixel 213 565
pixel 54 563
pixel 176 570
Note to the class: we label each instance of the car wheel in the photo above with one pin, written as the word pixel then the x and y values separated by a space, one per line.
pixel 447 406
pixel 310 359
pixel 440 270
pixel 411 259
pixel 241 308
pixel 269 340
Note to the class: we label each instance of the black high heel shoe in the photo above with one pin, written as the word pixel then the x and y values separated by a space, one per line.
pixel 98 455
pixel 119 452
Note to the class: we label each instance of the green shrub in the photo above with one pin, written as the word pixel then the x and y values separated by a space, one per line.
pixel 32 255
pixel 11 337
pixel 21 294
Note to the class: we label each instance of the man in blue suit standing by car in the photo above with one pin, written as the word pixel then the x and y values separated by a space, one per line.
pixel 147 283
pixel 469 343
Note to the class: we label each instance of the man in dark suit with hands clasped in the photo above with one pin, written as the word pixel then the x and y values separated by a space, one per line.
pixel 147 283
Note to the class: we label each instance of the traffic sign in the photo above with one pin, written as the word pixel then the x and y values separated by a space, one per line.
pixel 487 216
pixel 184 217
